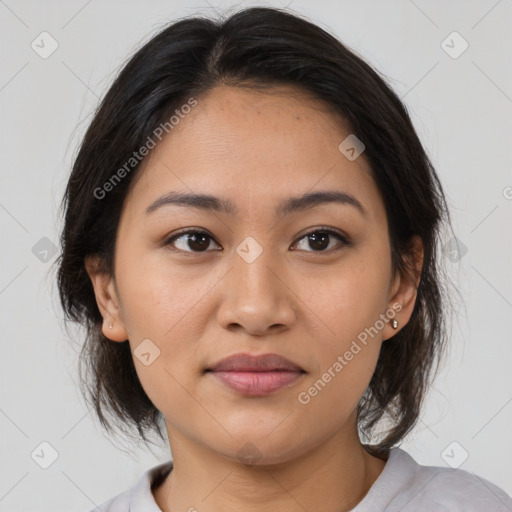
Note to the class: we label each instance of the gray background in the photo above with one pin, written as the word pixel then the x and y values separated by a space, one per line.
pixel 462 110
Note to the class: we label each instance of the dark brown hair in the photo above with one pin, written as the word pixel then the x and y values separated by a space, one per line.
pixel 256 47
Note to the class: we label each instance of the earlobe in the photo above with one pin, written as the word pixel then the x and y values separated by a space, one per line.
pixel 107 299
pixel 405 289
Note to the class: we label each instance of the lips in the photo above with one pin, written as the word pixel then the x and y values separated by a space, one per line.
pixel 262 363
pixel 256 375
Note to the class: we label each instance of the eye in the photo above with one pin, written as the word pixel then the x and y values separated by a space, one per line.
pixel 194 241
pixel 191 241
pixel 319 240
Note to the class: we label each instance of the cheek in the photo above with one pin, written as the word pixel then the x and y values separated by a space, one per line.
pixel 165 304
pixel 347 298
pixel 160 295
pixel 344 365
pixel 346 307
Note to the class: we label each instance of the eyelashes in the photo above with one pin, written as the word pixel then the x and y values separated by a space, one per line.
pixel 325 232
pixel 196 236
pixel 197 241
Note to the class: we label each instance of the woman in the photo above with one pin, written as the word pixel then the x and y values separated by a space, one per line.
pixel 251 236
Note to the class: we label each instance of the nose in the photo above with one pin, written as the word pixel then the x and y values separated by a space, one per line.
pixel 255 297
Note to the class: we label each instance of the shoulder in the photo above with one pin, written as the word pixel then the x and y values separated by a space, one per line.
pixel 440 489
pixel 119 503
pixel 139 498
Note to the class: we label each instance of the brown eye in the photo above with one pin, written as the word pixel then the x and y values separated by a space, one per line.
pixel 191 241
pixel 319 240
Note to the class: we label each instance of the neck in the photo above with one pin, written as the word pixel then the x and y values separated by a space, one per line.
pixel 333 477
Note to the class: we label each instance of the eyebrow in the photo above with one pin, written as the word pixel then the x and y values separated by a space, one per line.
pixel 207 202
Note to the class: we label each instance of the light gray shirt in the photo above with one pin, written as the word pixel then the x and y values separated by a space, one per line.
pixel 403 485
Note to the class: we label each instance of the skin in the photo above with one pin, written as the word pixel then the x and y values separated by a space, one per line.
pixel 305 303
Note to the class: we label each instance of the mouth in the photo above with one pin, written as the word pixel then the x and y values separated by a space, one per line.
pixel 256 375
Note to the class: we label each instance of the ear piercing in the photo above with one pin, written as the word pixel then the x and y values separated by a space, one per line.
pixel 110 326
pixel 394 324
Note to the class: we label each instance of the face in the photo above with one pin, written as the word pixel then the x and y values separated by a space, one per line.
pixel 305 283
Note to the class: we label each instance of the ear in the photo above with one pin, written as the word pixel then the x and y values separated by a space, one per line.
pixel 107 299
pixel 404 289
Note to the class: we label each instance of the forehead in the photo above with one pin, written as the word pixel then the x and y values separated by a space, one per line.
pixel 256 148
